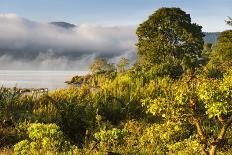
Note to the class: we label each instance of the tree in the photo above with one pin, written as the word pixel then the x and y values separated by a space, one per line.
pixel 229 22
pixel 222 50
pixel 221 55
pixel 122 64
pixel 168 36
pixel 207 49
pixel 101 65
pixel 205 103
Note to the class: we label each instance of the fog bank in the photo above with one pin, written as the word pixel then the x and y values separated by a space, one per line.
pixel 26 44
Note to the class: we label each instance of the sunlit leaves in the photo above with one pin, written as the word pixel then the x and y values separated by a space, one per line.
pixel 183 100
pixel 44 139
pixel 111 135
pixel 216 95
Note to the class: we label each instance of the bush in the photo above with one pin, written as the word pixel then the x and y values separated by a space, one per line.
pixel 43 139
pixel 110 140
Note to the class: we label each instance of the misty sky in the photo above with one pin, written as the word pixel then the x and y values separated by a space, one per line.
pixel 105 28
pixel 208 13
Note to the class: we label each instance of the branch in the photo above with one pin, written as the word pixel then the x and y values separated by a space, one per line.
pixel 221 120
pixel 201 133
pixel 221 135
pixel 224 128
pixel 200 130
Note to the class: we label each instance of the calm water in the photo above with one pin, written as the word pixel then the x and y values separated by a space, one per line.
pixel 37 79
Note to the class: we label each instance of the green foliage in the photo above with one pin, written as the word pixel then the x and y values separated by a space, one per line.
pixel 75 112
pixel 93 80
pixel 212 95
pixel 43 139
pixel 101 65
pixel 216 95
pixel 110 135
pixel 163 104
pixel 222 50
pixel 215 73
pixel 169 36
pixel 128 114
pixel 207 49
pixel 109 140
pixel 168 132
pixel 220 58
pixel 122 64
pixel 8 136
pixel 172 69
pixel 9 100
pixel 188 146
pixel 193 100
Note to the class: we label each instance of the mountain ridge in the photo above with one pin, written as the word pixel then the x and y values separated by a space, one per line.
pixel 211 37
pixel 63 24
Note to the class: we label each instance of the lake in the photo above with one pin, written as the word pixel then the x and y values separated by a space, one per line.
pixel 37 79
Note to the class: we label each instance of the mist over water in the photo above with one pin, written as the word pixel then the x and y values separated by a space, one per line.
pixel 43 55
pixel 37 79
pixel 31 45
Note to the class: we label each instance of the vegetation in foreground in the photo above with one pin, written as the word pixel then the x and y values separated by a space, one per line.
pixel 176 99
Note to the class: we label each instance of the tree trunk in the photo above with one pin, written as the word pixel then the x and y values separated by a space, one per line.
pixel 212 150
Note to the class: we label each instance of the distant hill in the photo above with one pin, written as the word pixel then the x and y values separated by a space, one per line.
pixel 63 24
pixel 211 37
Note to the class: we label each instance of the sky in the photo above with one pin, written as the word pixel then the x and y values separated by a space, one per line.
pixel 105 28
pixel 208 13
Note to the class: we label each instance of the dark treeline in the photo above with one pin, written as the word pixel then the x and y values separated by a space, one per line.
pixel 176 99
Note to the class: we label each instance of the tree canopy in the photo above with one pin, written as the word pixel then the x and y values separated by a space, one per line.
pixel 169 36
pixel 122 64
pixel 223 47
pixel 100 65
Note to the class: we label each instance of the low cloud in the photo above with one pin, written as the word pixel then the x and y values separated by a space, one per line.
pixel 26 44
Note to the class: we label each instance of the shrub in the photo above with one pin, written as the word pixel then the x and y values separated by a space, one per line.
pixel 109 140
pixel 43 139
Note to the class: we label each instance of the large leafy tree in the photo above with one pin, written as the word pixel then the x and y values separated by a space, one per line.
pixel 169 37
